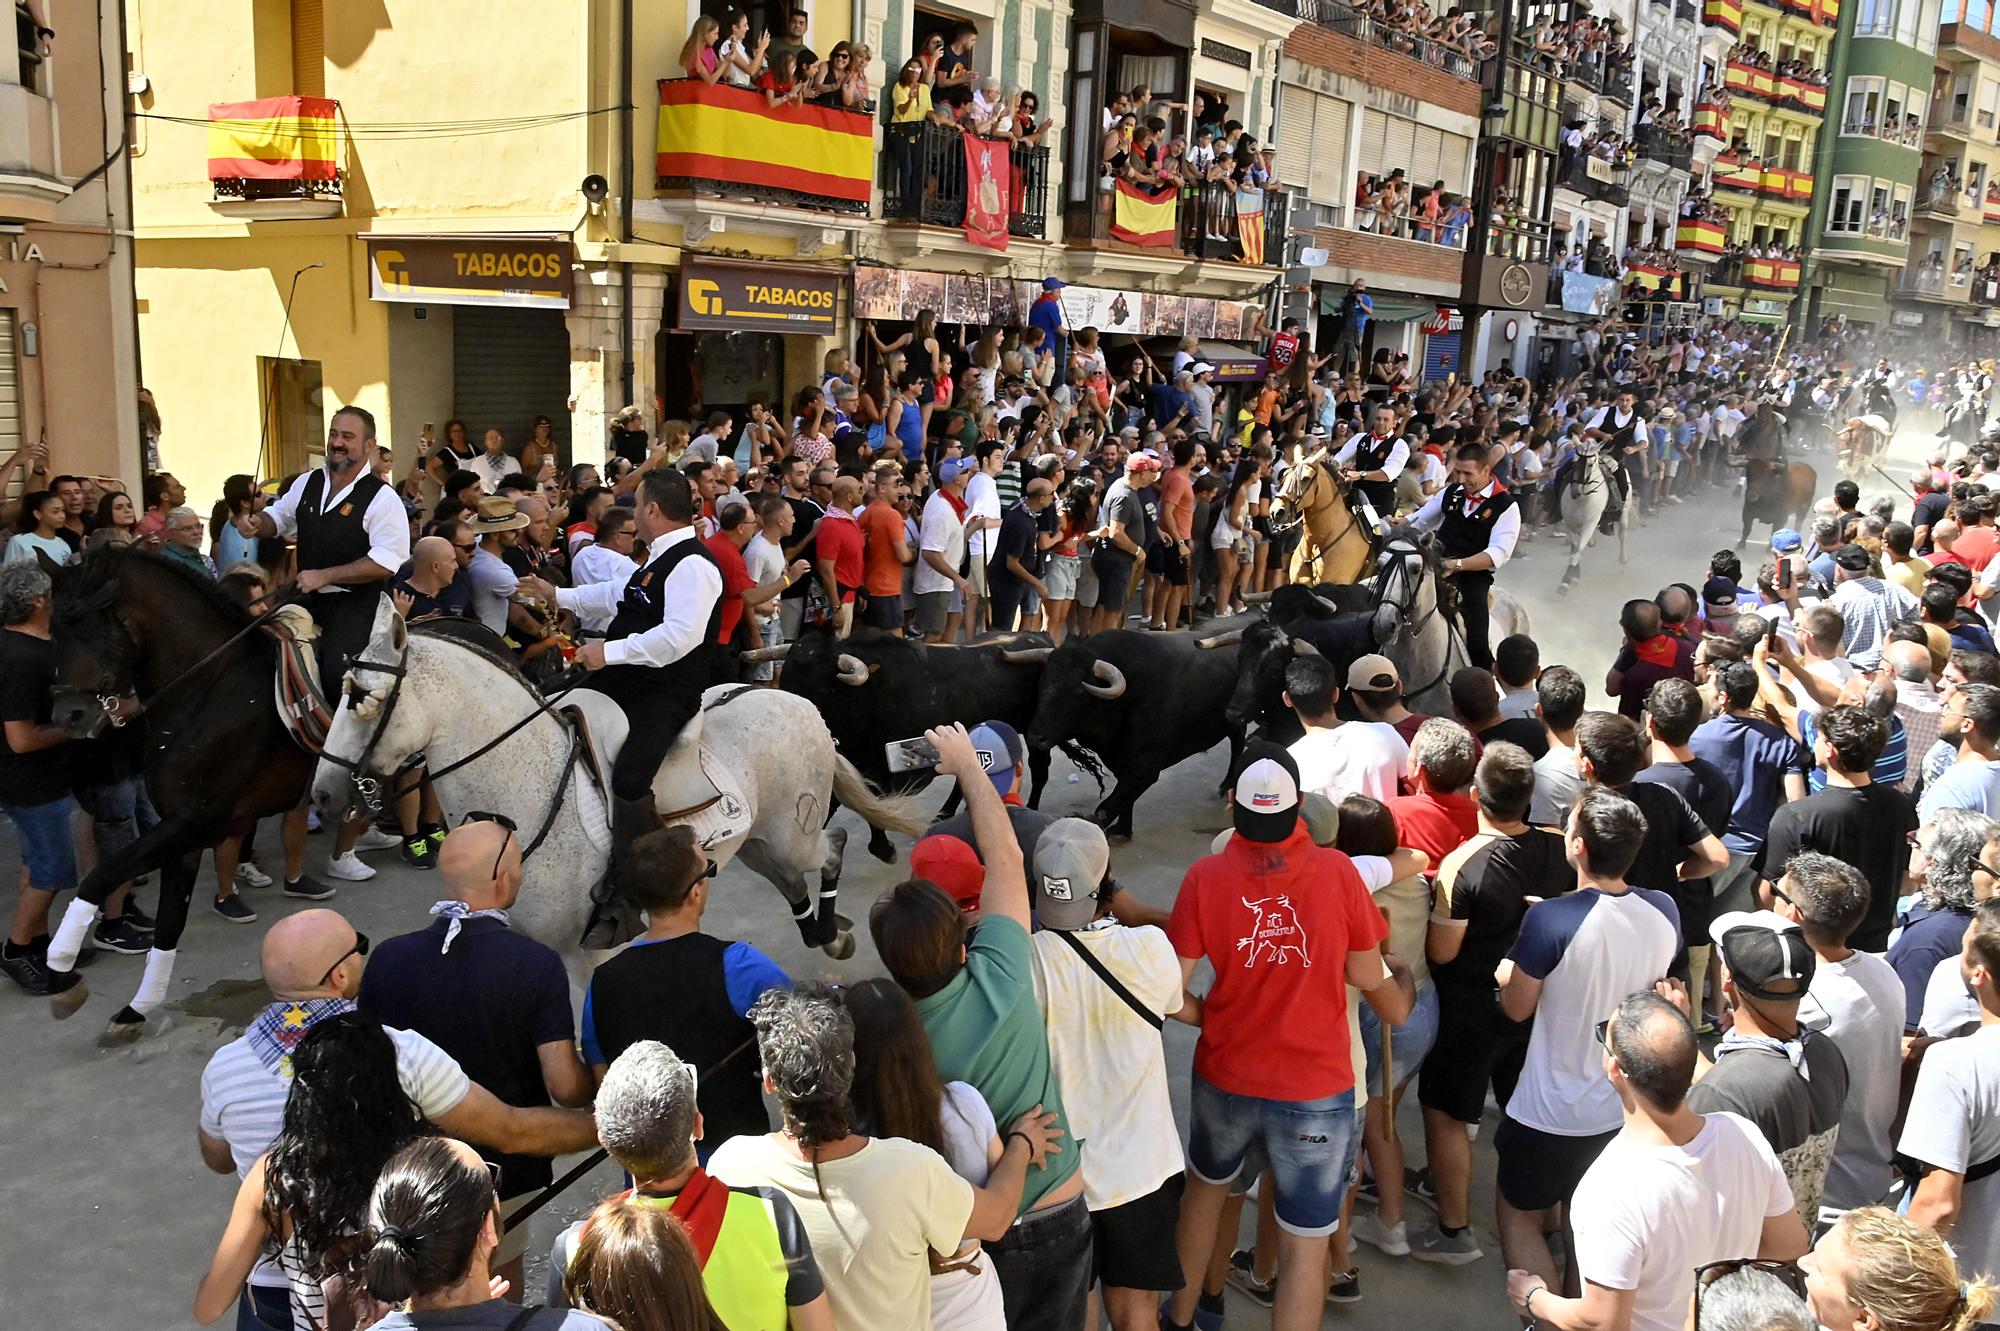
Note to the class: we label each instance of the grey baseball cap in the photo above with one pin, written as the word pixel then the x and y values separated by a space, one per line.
pixel 1071 859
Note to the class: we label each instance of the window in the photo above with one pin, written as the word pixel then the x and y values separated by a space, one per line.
pixel 1843 217
pixel 1927 26
pixel 1914 107
pixel 1908 14
pixel 1892 104
pixel 1899 213
pixel 1864 106
pixel 1989 100
pixel 294 414
pixel 1877 18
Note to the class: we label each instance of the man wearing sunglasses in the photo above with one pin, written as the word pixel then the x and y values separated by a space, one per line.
pixel 660 651
pixel 493 999
pixel 312 963
pixel 1674 1190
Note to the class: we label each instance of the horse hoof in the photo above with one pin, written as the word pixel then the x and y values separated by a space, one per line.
pixel 842 946
pixel 70 1001
pixel 124 1028
pixel 879 847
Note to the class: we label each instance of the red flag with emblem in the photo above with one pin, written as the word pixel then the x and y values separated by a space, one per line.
pixel 988 177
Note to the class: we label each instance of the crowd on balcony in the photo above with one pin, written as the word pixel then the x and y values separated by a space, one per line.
pixel 1410 27
pixel 1140 146
pixel 1660 126
pixel 784 69
pixel 1581 143
pixel 1904 128
pixel 1392 205
pixel 1589 50
pixel 1749 53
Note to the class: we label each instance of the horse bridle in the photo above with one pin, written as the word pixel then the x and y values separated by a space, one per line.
pixel 1322 468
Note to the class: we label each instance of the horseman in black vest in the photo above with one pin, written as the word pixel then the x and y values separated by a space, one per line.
pixel 1477 523
pixel 352 535
pixel 1624 432
pixel 661 650
pixel 1370 463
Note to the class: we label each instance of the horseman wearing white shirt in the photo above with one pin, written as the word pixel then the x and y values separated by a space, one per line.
pixel 661 650
pixel 1477 523
pixel 1625 430
pixel 1371 462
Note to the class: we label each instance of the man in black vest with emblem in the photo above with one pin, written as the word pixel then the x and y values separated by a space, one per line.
pixel 1371 462
pixel 1477 523
pixel 661 649
pixel 1624 433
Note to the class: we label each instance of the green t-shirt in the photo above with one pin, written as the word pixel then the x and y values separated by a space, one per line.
pixel 986 1030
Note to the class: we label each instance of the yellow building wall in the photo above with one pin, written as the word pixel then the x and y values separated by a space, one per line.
pixel 211 307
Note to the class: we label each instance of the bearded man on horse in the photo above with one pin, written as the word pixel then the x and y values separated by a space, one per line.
pixel 660 652
pixel 1477 522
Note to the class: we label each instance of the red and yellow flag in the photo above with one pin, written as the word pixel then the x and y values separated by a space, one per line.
pixel 715 134
pixel 273 138
pixel 1250 224
pixel 1708 120
pixel 1700 234
pixel 1725 14
pixel 1139 218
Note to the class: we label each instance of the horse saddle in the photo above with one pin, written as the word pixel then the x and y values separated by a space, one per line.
pixel 299 690
pixel 695 784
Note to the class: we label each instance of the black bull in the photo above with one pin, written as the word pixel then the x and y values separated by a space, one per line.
pixel 1141 702
pixel 874 690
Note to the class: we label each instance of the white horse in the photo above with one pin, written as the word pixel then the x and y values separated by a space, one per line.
pixel 1413 631
pixel 1586 494
pixel 443 699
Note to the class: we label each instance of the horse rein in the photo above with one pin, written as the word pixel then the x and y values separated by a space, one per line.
pixel 108 702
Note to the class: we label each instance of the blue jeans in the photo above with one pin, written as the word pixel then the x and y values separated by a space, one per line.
pixel 1408 1043
pixel 120 812
pixel 264 1308
pixel 46 846
pixel 1308 1145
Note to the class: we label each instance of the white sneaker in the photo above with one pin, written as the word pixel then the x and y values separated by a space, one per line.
pixel 249 875
pixel 349 868
pixel 1391 1239
pixel 376 839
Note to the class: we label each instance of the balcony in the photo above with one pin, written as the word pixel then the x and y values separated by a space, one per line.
pixel 716 139
pixel 1985 287
pixel 924 179
pixel 1962 122
pixel 1685 11
pixel 1824 12
pixel 1698 237
pixel 1728 272
pixel 1664 150
pixel 1208 221
pixel 1724 14
pixel 1944 200
pixel 1711 121
pixel 1771 274
pixel 1598 180
pixel 1923 281
pixel 275 159
pixel 1747 175
pixel 1343 18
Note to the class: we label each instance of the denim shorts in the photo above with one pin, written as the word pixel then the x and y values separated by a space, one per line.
pixel 1408 1043
pixel 1309 1146
pixel 47 846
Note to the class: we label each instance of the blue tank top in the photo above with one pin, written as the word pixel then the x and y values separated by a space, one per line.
pixel 910 429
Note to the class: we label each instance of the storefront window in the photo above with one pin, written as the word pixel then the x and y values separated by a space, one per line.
pixel 704 372
pixel 294 415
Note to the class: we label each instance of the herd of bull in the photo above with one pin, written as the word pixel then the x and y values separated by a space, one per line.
pixel 1133 702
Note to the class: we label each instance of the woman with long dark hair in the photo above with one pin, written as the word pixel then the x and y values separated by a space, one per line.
pixel 897 1093
pixel 346 1114
pixel 433 1222
pixel 876 1275
pixel 635 1267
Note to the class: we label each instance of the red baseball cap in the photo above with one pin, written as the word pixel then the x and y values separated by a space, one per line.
pixel 953 865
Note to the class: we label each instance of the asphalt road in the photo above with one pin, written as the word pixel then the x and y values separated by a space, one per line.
pixel 113 1218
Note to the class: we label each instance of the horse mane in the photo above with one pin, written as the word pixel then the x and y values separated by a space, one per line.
pixel 476 638
pixel 102 566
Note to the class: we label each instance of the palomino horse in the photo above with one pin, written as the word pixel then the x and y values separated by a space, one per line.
pixel 441 697
pixel 1586 495
pixel 1335 547
pixel 1861 443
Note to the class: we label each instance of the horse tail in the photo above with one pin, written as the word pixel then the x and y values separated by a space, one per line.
pixel 890 813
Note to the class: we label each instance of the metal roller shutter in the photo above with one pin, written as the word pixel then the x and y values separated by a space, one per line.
pixel 508 367
pixel 1426 146
pixel 1329 152
pixel 1438 347
pixel 1455 163
pixel 10 400
pixel 309 48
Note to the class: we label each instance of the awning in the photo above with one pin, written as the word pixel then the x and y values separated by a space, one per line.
pixel 1751 317
pixel 1389 309
pixel 1233 365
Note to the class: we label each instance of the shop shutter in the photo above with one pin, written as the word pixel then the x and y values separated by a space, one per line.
pixel 509 366
pixel 1329 153
pixel 10 400
pixel 1438 347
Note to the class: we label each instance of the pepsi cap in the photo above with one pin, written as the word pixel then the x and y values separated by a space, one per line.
pixel 1265 803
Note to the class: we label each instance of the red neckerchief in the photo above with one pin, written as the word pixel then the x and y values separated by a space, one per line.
pixel 1013 798
pixel 1657 651
pixel 958 505
pixel 700 1206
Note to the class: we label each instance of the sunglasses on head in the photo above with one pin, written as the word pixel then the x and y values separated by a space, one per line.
pixel 480 816
pixel 360 949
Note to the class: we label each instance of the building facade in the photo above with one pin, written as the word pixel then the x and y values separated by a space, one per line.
pixel 69 375
pixel 335 206
pixel 1867 173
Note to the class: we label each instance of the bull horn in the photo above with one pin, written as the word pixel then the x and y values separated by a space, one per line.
pixel 853 670
pixel 1228 639
pixel 778 653
pixel 1114 681
pixel 1026 655
pixel 1256 598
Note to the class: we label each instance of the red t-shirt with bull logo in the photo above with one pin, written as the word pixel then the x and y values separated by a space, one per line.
pixel 1276 920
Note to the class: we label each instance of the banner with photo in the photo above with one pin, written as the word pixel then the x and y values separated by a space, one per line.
pixel 898 295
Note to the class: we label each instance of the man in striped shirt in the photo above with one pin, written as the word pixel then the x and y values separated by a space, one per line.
pixel 312 964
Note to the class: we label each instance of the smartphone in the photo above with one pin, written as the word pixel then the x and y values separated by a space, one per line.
pixel 1784 573
pixel 911 755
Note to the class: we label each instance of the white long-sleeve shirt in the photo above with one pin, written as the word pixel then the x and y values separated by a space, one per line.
pixel 594 564
pixel 1506 528
pixel 388 527
pixel 690 595
pixel 1399 455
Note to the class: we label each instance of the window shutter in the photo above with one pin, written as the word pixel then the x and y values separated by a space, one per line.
pixel 308 48
pixel 1329 153
pixel 1374 140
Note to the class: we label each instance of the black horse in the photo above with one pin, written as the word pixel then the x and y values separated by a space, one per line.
pixel 217 753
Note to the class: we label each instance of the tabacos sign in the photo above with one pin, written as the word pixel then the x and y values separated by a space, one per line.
pixel 743 297
pixel 532 272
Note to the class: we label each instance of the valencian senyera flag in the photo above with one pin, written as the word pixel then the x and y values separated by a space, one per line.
pixel 1139 218
pixel 273 138
pixel 988 185
pixel 718 136
pixel 1250 224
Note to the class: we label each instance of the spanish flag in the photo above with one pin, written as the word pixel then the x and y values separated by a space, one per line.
pixel 1739 77
pixel 1724 14
pixel 1708 120
pixel 1811 96
pixel 1139 218
pixel 1992 208
pixel 273 138
pixel 1761 272
pixel 1648 277
pixel 715 134
pixel 1700 234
